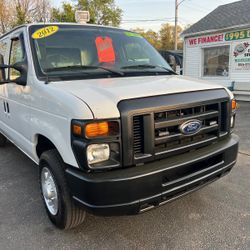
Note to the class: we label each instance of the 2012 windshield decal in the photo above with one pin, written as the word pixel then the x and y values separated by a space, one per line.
pixel 45 32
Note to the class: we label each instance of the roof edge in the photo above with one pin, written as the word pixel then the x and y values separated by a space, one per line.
pixel 214 30
pixel 60 23
pixel 12 30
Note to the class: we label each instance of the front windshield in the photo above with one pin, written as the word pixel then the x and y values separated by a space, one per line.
pixel 89 51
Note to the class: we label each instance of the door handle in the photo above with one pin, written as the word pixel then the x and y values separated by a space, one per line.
pixel 4 107
pixel 7 107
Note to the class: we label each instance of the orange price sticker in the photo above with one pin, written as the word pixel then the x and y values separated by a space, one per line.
pixel 105 50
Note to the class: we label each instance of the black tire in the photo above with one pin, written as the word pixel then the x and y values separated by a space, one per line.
pixel 3 140
pixel 68 215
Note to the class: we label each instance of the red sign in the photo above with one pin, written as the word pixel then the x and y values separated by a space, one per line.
pixel 205 39
pixel 105 50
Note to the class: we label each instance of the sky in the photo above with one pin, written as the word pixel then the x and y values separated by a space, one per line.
pixel 151 14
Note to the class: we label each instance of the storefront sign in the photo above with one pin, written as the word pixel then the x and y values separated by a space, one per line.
pixel 205 39
pixel 241 56
pixel 217 38
pixel 237 35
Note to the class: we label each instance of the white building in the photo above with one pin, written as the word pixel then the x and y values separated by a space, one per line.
pixel 217 48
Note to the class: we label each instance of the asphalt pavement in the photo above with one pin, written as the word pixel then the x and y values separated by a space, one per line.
pixel 215 217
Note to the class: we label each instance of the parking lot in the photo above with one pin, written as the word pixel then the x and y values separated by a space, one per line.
pixel 216 217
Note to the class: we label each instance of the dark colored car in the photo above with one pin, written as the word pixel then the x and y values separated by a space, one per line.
pixel 174 58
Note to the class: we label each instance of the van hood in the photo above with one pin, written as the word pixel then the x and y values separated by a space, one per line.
pixel 103 95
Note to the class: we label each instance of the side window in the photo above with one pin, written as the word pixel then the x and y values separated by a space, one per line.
pixel 3 48
pixel 16 55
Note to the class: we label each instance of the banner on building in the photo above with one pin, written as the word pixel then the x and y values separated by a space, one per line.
pixel 218 38
pixel 202 40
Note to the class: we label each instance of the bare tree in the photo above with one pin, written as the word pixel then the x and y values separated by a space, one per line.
pixel 28 11
pixel 6 15
pixel 17 12
pixel 43 11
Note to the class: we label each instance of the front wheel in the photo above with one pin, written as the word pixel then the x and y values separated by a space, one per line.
pixel 59 205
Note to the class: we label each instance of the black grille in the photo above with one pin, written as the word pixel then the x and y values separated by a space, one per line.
pixel 150 125
pixel 138 136
pixel 168 140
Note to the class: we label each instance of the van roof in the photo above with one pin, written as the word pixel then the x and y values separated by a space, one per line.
pixel 58 23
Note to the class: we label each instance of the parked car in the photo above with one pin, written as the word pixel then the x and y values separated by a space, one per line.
pixel 112 128
pixel 174 59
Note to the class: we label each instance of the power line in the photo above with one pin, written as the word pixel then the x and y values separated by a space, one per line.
pixel 196 8
pixel 148 20
pixel 199 7
pixel 170 21
pixel 222 2
pixel 184 20
pixel 186 4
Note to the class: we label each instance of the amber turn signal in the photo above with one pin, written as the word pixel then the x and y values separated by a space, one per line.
pixel 77 130
pixel 97 129
pixel 234 104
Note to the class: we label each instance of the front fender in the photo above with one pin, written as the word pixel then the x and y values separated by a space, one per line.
pixel 57 130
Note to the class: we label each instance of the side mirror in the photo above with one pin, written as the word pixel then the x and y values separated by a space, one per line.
pixel 21 67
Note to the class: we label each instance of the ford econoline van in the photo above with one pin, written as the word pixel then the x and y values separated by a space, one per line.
pixel 112 128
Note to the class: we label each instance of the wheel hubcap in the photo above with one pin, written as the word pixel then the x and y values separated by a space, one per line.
pixel 49 191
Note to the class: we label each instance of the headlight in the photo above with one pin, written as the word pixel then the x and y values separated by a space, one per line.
pixel 96 143
pixel 232 123
pixel 98 153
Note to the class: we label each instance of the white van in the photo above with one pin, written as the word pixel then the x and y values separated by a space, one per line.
pixel 113 129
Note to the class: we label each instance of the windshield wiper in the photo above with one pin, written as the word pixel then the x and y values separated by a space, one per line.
pixel 85 67
pixel 148 66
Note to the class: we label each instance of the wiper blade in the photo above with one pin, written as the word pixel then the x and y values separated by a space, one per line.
pixel 148 66
pixel 139 66
pixel 85 67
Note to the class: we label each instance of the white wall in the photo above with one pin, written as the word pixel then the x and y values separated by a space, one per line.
pixel 192 61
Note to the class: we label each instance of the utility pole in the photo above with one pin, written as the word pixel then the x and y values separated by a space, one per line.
pixel 177 4
pixel 176 24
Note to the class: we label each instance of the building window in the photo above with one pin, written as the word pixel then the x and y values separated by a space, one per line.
pixel 216 61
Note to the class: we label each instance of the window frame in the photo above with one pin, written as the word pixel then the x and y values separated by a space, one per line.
pixel 19 37
pixel 5 57
pixel 203 62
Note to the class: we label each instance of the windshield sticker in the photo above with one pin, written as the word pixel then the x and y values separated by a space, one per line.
pixel 132 34
pixel 105 50
pixel 45 32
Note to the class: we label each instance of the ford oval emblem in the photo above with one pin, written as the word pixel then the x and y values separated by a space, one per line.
pixel 190 127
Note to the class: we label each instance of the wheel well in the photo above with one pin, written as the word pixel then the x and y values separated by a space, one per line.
pixel 43 144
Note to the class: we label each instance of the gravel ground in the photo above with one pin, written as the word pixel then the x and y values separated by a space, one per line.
pixel 216 217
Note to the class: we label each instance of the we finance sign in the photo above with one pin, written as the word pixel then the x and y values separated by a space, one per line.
pixel 203 40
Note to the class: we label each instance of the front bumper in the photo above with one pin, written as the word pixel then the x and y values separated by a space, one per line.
pixel 137 189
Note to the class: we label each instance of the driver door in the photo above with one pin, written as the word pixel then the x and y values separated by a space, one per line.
pixel 4 46
pixel 17 97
